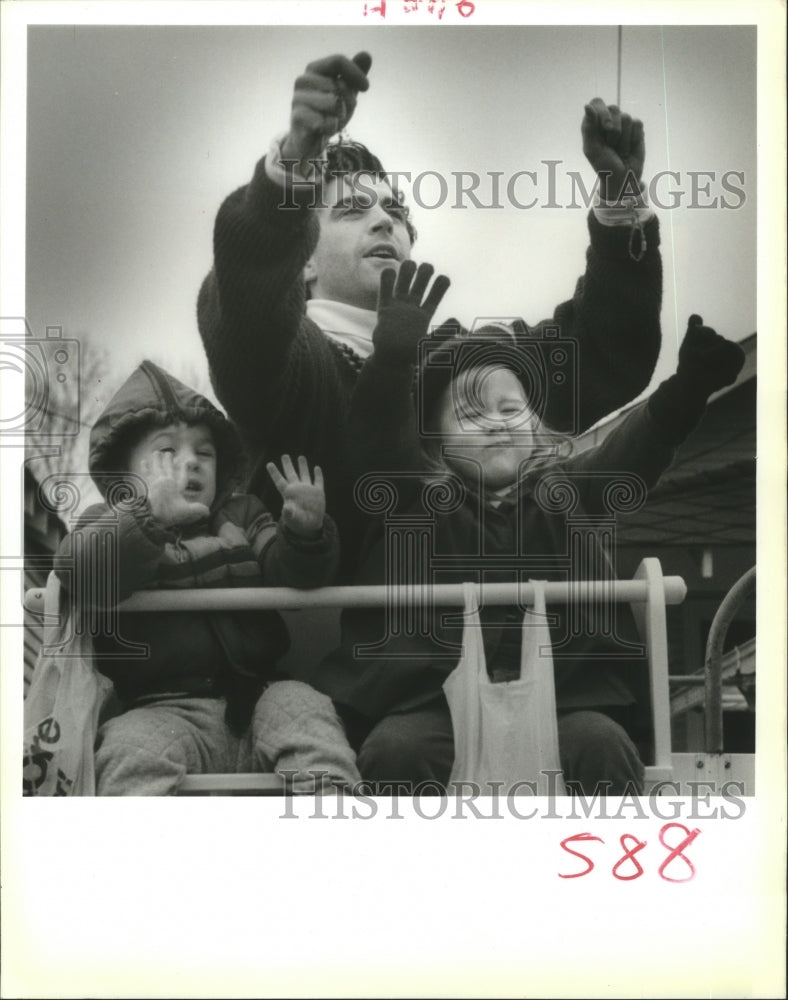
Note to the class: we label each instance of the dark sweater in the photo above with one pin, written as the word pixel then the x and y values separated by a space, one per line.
pixel 288 387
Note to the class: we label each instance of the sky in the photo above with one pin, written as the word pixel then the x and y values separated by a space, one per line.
pixel 135 134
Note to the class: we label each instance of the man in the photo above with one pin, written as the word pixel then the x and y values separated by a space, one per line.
pixel 287 313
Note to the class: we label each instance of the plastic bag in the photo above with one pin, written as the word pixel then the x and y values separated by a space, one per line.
pixel 61 715
pixel 506 732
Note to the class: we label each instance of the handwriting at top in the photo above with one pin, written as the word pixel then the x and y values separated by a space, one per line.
pixel 436 8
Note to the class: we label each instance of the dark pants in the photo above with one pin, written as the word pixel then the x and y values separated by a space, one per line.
pixel 418 746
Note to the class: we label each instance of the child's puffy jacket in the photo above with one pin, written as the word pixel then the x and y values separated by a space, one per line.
pixel 119 547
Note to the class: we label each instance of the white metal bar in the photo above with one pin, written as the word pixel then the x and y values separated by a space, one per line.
pixel 241 782
pixel 653 625
pixel 283 598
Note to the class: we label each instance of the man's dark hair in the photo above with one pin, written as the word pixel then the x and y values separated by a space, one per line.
pixel 346 156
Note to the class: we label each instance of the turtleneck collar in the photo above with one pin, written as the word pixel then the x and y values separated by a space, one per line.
pixel 344 323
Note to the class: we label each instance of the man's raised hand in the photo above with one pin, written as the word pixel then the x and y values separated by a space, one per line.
pixel 403 318
pixel 614 145
pixel 324 99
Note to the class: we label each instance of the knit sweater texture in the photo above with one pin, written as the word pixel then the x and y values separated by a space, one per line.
pixel 287 386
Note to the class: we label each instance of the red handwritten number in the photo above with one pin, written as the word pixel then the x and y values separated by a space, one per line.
pixel 629 855
pixel 676 852
pixel 631 845
pixel 466 8
pixel 577 854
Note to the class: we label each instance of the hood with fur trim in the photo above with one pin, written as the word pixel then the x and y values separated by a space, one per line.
pixel 151 397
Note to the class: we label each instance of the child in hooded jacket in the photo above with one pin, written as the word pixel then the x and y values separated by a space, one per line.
pixel 166 461
pixel 501 513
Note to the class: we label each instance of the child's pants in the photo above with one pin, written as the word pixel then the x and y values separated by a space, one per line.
pixel 149 750
pixel 297 733
pixel 415 747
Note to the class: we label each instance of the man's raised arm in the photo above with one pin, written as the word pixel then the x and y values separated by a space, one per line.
pixel 250 308
pixel 614 314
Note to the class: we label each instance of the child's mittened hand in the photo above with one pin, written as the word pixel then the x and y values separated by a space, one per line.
pixel 403 318
pixel 707 361
pixel 167 504
pixel 304 507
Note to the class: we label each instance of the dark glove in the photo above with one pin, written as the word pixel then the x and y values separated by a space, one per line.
pixel 403 319
pixel 614 145
pixel 707 362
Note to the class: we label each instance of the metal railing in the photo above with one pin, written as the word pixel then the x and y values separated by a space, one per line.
pixel 449 594
pixel 731 603
pixel 648 593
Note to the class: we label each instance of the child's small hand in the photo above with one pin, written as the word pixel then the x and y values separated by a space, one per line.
pixel 403 319
pixel 164 479
pixel 304 507
pixel 707 361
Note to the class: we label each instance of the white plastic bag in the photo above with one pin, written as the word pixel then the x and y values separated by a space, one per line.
pixel 61 715
pixel 506 732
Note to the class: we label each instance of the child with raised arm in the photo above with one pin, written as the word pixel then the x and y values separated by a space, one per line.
pixel 502 517
pixel 166 461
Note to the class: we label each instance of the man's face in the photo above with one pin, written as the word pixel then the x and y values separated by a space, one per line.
pixel 362 231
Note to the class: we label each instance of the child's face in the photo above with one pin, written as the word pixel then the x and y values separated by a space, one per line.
pixel 185 452
pixel 486 421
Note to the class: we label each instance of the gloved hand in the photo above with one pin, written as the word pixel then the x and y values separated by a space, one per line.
pixel 324 99
pixel 707 362
pixel 403 319
pixel 614 145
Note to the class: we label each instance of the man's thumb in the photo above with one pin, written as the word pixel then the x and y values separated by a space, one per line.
pixel 363 60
